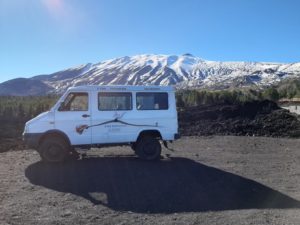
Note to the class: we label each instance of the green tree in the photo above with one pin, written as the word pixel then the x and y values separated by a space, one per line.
pixel 271 94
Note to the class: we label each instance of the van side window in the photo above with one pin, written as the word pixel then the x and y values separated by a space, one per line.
pixel 111 101
pixel 75 102
pixel 152 101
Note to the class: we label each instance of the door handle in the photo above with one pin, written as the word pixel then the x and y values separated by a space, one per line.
pixel 85 115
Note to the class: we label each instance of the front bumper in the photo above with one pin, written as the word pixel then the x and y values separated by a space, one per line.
pixel 32 139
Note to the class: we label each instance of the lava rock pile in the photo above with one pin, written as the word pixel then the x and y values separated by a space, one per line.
pixel 256 118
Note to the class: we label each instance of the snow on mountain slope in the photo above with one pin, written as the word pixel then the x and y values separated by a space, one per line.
pixel 184 71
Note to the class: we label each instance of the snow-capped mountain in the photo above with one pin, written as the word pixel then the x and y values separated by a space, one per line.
pixel 184 71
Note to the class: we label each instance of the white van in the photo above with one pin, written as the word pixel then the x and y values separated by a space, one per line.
pixel 95 116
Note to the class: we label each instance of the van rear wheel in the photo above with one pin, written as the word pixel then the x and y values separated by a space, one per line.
pixel 53 150
pixel 133 146
pixel 148 148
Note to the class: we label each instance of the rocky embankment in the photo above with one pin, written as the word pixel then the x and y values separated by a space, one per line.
pixel 257 118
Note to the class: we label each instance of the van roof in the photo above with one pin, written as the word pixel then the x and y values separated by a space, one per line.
pixel 121 88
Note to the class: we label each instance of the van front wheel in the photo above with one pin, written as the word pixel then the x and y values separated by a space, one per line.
pixel 148 148
pixel 53 150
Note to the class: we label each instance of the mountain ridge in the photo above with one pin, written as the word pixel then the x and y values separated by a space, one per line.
pixel 182 71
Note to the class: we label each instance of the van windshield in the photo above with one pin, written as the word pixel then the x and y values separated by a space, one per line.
pixel 75 102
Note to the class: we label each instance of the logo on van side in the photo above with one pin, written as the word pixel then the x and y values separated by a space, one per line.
pixel 118 115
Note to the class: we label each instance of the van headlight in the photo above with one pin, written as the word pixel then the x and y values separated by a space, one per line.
pixel 26 129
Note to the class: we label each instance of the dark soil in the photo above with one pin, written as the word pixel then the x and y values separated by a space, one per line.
pixel 11 135
pixel 257 118
pixel 11 144
pixel 205 180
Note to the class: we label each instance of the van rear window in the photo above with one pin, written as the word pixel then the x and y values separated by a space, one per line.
pixel 111 101
pixel 152 101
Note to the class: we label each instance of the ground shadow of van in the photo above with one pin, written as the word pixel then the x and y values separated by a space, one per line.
pixel 167 186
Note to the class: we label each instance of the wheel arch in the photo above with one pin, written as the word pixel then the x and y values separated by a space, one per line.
pixel 55 133
pixel 153 133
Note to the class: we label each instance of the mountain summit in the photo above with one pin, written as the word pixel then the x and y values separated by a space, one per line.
pixel 183 71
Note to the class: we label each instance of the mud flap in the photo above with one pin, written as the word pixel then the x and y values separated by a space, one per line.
pixel 167 147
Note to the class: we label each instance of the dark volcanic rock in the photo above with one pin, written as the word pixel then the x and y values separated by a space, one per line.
pixel 257 118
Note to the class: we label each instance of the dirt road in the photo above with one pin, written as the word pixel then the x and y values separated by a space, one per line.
pixel 206 180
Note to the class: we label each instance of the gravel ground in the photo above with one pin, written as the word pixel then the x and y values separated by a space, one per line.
pixel 206 180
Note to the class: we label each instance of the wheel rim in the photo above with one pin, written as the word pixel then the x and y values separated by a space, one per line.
pixel 53 153
pixel 150 150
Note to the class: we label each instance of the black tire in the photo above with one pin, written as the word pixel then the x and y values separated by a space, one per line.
pixel 133 146
pixel 53 150
pixel 148 148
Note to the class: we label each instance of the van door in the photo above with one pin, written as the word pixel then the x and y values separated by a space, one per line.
pixel 112 106
pixel 73 115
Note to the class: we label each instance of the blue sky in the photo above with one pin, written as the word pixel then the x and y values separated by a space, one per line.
pixel 44 36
